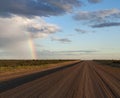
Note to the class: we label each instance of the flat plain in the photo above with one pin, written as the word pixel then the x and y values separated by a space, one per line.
pixel 86 79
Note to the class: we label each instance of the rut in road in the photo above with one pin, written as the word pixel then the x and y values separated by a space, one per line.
pixel 87 79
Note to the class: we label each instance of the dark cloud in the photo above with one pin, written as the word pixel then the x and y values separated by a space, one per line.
pixel 94 1
pixel 110 24
pixel 37 7
pixel 62 40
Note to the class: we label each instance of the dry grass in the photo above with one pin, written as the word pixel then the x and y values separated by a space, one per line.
pixel 8 72
pixel 13 65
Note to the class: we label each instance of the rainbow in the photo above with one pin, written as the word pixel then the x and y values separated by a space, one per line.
pixel 31 44
pixel 32 47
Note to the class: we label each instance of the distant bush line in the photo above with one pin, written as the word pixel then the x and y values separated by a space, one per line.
pixel 13 63
pixel 113 63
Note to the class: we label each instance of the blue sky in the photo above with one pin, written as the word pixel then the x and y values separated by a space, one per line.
pixel 58 29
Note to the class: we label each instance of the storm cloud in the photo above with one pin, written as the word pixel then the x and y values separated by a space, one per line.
pixel 30 8
pixel 14 41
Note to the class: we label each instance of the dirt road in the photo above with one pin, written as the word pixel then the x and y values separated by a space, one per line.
pixel 86 79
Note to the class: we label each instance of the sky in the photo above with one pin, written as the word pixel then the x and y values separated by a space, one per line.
pixel 60 29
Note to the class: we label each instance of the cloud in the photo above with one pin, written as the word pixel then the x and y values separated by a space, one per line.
pixel 69 51
pixel 97 15
pixel 94 1
pixel 41 29
pixel 80 30
pixel 15 34
pixel 68 54
pixel 78 51
pixel 62 40
pixel 30 8
pixel 99 18
pixel 13 42
pixel 109 24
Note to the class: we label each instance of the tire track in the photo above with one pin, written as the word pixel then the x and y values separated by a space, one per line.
pixel 87 79
pixel 110 82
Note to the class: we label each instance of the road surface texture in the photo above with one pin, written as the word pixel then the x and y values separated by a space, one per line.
pixel 86 79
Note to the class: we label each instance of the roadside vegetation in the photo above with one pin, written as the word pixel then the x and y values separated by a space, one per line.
pixel 112 63
pixel 12 65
